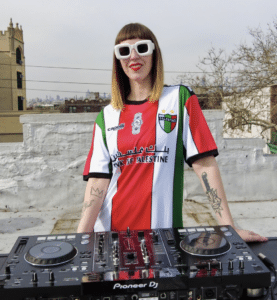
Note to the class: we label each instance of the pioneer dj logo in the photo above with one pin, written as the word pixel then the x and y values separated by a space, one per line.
pixel 152 284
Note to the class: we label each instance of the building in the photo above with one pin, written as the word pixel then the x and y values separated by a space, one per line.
pixel 12 71
pixel 92 95
pixel 12 83
pixel 86 105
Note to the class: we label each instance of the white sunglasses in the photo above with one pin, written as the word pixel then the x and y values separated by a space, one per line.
pixel 143 48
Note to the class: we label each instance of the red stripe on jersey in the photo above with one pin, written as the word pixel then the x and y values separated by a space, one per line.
pixel 87 165
pixel 202 138
pixel 131 205
pixel 173 124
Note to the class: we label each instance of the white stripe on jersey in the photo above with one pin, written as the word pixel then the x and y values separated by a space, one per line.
pixel 162 196
pixel 98 162
pixel 188 141
pixel 103 222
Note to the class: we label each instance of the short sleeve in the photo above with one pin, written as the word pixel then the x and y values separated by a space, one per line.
pixel 197 138
pixel 98 163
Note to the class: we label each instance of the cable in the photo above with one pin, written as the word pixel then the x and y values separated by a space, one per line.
pixel 95 83
pixel 101 83
pixel 109 70
pixel 43 90
pixel 46 90
pixel 52 67
pixel 46 81
pixel 90 69
pixel 271 267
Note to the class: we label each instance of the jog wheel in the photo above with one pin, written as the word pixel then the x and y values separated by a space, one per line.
pixel 205 244
pixel 50 254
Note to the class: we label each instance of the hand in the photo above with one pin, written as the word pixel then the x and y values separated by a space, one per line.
pixel 250 236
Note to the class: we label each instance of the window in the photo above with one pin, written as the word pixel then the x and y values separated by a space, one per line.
pixel 19 80
pixel 18 56
pixel 20 102
pixel 72 109
pixel 87 109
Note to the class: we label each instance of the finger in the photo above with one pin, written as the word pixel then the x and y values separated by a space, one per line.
pixel 254 237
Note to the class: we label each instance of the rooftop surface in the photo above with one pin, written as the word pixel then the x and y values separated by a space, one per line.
pixel 258 216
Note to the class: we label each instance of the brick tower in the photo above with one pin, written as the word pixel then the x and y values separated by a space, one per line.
pixel 12 70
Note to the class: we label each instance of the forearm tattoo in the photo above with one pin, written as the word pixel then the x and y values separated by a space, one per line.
pixel 93 192
pixel 97 192
pixel 212 195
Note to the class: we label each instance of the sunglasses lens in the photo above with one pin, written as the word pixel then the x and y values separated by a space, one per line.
pixel 124 51
pixel 142 48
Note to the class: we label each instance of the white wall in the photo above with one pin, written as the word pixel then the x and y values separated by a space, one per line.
pixel 46 169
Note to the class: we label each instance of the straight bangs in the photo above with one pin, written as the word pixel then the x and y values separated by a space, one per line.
pixel 120 82
pixel 133 31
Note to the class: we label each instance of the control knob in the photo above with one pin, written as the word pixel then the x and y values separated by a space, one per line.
pixel 8 270
pixel 241 265
pixel 34 277
pixel 115 275
pixel 146 260
pixel 116 261
pixel 51 277
pixel 231 265
pixel 145 273
pixel 155 237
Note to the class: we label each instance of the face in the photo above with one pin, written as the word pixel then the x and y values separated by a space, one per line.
pixel 136 67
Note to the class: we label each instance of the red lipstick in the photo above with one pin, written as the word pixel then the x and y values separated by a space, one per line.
pixel 135 67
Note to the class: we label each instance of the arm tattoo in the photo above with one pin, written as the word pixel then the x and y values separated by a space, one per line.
pixel 212 195
pixel 97 193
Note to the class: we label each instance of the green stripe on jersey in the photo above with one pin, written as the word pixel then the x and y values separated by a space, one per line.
pixel 184 94
pixel 101 123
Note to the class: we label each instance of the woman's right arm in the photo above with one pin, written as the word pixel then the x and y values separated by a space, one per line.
pixel 94 197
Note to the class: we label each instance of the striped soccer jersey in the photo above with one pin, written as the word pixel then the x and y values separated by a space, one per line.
pixel 142 149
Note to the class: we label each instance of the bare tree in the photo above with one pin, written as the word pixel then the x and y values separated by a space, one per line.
pixel 244 83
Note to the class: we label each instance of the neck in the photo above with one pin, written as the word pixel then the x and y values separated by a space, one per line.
pixel 139 90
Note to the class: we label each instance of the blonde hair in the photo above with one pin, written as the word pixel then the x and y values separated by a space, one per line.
pixel 120 82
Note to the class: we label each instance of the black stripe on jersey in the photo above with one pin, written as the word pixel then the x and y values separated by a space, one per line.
pixel 194 158
pixel 97 175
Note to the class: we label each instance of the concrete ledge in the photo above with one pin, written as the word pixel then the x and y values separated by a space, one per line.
pixel 210 115
pixel 13 147
pixel 251 143
pixel 58 118
pixel 213 114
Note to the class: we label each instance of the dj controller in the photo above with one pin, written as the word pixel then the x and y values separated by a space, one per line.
pixel 194 263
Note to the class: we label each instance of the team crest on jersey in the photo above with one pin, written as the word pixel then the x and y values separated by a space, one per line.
pixel 137 122
pixel 167 122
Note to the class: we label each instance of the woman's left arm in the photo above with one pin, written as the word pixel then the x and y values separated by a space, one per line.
pixel 208 172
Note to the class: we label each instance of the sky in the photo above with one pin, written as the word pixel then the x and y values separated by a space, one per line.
pixel 80 34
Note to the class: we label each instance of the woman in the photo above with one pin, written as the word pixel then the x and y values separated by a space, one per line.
pixel 135 165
